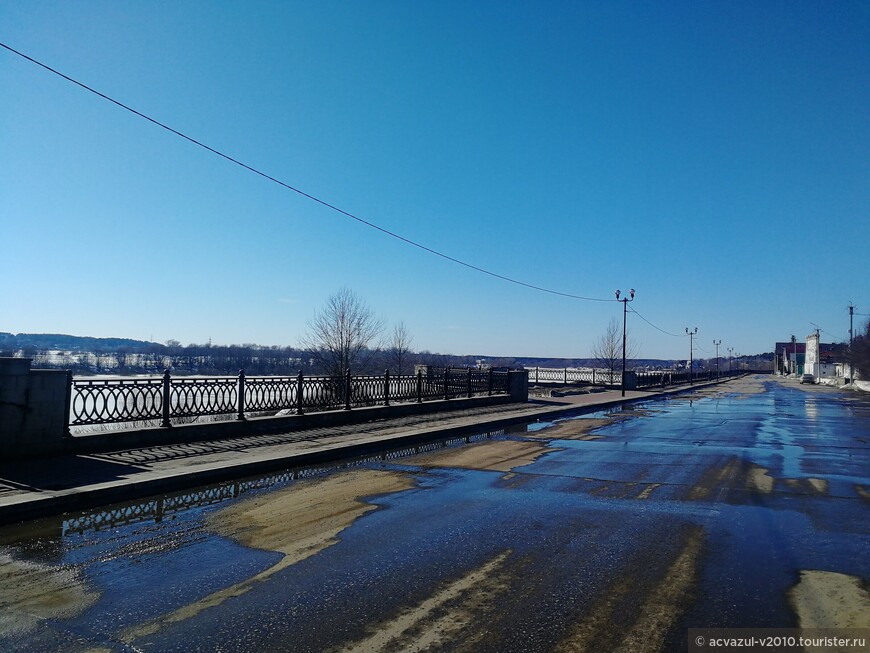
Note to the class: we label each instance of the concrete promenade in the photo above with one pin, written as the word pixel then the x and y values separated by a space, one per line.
pixel 36 488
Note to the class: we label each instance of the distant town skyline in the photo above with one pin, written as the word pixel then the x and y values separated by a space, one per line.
pixel 713 156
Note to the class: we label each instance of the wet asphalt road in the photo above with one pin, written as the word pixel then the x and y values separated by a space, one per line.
pixel 680 513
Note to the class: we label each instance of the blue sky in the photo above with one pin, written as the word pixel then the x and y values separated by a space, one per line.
pixel 712 155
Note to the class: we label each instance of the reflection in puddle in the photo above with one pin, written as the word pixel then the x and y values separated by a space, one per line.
pixel 159 508
pixel 297 521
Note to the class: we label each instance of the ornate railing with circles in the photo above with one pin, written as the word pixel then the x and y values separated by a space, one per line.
pixel 103 401
pixel 171 399
pixel 605 377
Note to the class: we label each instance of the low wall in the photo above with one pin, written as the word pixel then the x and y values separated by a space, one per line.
pixel 33 409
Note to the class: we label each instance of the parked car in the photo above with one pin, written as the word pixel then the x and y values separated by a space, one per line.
pixel 808 378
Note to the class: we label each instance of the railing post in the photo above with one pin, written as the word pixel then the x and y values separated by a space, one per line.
pixel 593 376
pixel 299 393
pixel 347 393
pixel 447 382
pixel 166 398
pixel 489 383
pixel 419 386
pixel 468 384
pixel 565 381
pixel 387 388
pixel 536 375
pixel 241 398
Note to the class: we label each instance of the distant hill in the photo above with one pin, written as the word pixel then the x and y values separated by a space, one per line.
pixel 62 341
pixel 86 353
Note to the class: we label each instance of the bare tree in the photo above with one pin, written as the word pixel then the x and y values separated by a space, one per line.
pixel 858 355
pixel 607 350
pixel 400 347
pixel 343 333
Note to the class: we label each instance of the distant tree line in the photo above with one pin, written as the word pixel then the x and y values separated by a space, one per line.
pixel 858 355
pixel 86 355
pixel 154 358
pixel 228 360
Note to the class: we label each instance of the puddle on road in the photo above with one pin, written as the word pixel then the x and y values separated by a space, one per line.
pixel 824 599
pixel 298 521
pixel 31 593
pixel 305 518
pixel 572 429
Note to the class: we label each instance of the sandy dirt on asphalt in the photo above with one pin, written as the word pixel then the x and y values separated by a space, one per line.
pixel 736 474
pixel 713 480
pixel 807 485
pixel 455 616
pixel 450 618
pixel 306 517
pixel 825 599
pixel 759 479
pixel 572 429
pixel 743 387
pixel 298 521
pixel 494 455
pixel 662 605
pixel 31 593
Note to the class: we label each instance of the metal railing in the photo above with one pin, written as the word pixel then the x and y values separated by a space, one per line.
pixel 567 375
pixel 168 399
pixel 605 377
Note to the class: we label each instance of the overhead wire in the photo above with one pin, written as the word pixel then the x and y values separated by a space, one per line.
pixel 832 335
pixel 668 333
pixel 324 203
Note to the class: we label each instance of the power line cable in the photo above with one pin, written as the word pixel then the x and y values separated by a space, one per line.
pixel 303 193
pixel 832 335
pixel 675 335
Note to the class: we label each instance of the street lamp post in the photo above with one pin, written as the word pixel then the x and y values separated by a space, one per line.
pixel 851 313
pixel 717 343
pixel 794 352
pixel 730 352
pixel 624 301
pixel 691 335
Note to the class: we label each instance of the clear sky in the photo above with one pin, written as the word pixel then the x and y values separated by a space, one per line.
pixel 713 155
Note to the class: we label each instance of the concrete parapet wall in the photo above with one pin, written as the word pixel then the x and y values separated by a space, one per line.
pixel 518 385
pixel 33 409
